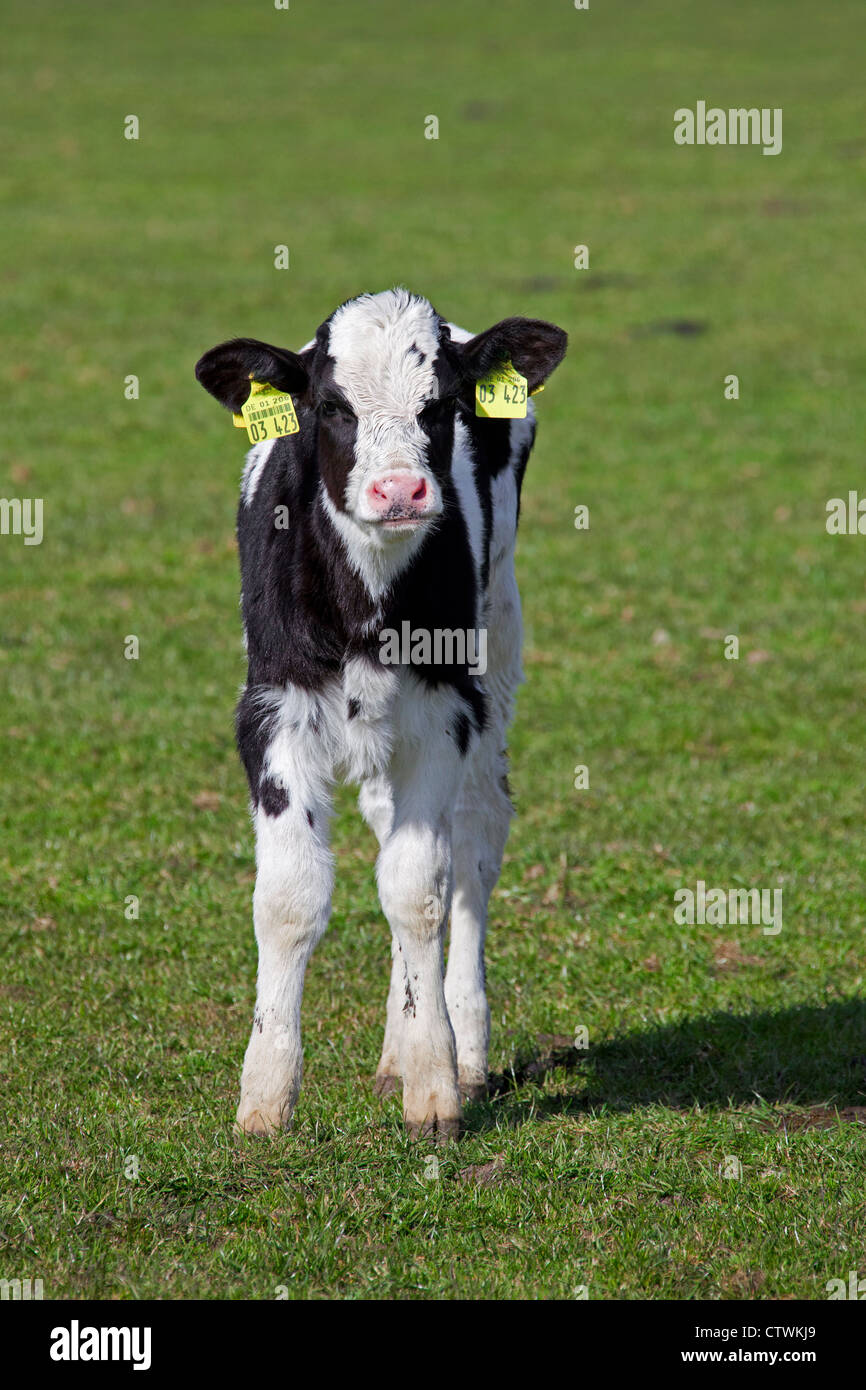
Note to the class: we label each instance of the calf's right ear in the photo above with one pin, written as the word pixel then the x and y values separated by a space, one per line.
pixel 226 371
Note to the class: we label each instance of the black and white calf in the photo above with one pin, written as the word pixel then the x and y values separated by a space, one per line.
pixel 397 506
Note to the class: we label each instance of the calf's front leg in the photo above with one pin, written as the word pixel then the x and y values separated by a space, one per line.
pixel 291 906
pixel 414 874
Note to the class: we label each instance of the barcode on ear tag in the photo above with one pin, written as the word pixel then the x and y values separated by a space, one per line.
pixel 267 413
pixel 501 394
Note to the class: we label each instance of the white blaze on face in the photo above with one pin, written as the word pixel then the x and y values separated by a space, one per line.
pixel 383 347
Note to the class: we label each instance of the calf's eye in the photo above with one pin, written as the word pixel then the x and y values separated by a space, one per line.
pixel 331 408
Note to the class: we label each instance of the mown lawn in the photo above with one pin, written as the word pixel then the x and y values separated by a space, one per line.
pixel 600 1169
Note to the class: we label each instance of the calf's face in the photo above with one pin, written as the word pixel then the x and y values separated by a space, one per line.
pixel 385 395
pixel 380 387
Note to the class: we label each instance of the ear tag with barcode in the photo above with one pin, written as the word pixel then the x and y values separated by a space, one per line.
pixel 501 394
pixel 267 413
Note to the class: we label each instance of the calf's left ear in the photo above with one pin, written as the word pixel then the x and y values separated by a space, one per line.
pixel 226 371
pixel 534 347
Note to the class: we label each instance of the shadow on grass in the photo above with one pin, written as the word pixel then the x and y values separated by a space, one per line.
pixel 806 1055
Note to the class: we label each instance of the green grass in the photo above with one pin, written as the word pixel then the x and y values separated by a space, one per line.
pixel 601 1168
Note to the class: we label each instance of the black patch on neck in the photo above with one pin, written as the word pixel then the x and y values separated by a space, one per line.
pixel 438 590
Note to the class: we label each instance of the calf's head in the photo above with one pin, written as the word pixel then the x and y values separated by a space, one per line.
pixel 377 392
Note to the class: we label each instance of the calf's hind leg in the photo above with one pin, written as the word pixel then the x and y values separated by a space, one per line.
pixel 480 833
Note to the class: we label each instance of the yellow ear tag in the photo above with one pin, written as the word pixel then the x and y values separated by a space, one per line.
pixel 267 414
pixel 501 394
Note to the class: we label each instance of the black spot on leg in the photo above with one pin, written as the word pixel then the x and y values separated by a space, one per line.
pixel 310 819
pixel 258 1021
pixel 409 1006
pixel 354 707
pixel 273 798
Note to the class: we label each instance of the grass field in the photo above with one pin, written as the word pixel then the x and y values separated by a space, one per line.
pixel 598 1169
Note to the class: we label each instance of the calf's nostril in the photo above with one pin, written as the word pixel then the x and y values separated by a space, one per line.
pixel 420 492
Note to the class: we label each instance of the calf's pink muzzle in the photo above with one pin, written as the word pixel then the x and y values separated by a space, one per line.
pixel 399 497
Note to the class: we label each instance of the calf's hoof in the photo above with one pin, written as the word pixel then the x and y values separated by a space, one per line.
pixel 432 1114
pixel 438 1129
pixel 261 1120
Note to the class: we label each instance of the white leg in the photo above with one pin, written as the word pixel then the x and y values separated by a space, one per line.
pixel 481 829
pixel 291 905
pixel 480 832
pixel 415 883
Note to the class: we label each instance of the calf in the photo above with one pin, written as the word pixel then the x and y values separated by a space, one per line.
pixel 385 520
